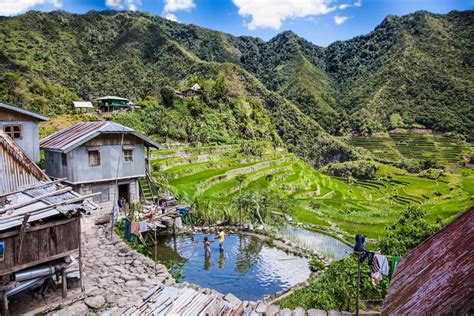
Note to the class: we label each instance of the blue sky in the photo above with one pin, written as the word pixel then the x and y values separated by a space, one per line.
pixel 319 21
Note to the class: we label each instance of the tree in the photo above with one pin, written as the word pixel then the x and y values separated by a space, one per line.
pixel 167 96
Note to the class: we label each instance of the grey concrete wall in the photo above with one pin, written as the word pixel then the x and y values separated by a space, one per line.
pixel 30 140
pixel 106 206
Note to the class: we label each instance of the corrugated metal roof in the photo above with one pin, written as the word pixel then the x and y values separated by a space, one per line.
pixel 76 135
pixel 17 204
pixel 16 168
pixel 111 97
pixel 437 277
pixel 82 104
pixel 23 111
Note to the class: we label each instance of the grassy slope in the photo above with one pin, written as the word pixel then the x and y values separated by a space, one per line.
pixel 331 204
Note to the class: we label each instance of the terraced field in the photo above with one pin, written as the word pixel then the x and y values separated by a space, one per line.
pixel 215 174
pixel 423 146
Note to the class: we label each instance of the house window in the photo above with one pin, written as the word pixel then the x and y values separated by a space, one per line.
pixel 14 131
pixel 128 155
pixel 94 158
pixel 64 159
pixel 104 195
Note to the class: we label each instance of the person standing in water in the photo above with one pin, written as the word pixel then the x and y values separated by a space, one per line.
pixel 207 247
pixel 220 237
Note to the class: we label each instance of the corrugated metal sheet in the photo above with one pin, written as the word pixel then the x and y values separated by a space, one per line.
pixel 23 111
pixel 76 135
pixel 437 277
pixel 19 203
pixel 16 168
pixel 82 104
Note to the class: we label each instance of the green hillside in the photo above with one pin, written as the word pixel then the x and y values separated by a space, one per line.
pixel 214 177
pixel 50 59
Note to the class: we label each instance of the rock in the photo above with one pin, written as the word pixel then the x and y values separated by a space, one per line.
pixel 123 301
pixel 261 307
pixel 124 249
pixel 346 314
pixel 232 299
pixel 103 219
pixel 133 284
pixel 111 298
pixel 299 311
pixel 334 313
pixel 127 277
pixel 285 312
pixel 95 302
pixel 78 308
pixel 316 312
pixel 272 310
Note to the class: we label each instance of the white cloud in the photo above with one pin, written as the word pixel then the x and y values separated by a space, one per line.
pixel 178 5
pixel 340 19
pixel 272 13
pixel 356 4
pixel 171 17
pixel 12 7
pixel 131 5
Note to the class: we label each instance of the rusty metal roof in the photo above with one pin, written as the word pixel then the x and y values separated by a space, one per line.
pixel 23 111
pixel 437 277
pixel 71 137
pixel 16 168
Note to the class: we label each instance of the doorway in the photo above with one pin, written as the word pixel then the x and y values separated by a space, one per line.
pixel 124 191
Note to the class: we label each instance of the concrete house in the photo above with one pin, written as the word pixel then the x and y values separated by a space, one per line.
pixel 100 157
pixel 22 126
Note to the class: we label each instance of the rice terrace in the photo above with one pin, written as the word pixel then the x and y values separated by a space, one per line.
pixel 236 158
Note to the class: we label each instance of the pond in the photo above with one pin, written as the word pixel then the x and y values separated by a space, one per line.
pixel 321 243
pixel 247 267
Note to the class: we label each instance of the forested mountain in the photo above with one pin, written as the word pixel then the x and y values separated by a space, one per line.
pixel 416 69
pixel 418 66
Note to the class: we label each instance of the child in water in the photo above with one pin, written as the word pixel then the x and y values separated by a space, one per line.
pixel 207 247
pixel 220 237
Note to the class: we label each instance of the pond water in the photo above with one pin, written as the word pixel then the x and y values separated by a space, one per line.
pixel 247 267
pixel 323 244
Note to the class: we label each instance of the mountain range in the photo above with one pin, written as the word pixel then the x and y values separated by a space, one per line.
pixel 414 70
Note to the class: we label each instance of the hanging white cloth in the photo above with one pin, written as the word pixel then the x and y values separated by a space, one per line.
pixel 383 264
pixel 116 212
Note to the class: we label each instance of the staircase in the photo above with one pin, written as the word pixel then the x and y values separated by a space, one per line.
pixel 146 189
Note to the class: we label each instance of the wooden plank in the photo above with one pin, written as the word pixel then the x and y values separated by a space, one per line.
pixel 29 251
pixel 21 238
pixel 39 227
pixel 31 264
pixel 9 259
pixel 34 200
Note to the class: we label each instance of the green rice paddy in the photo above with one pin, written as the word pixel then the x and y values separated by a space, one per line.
pixel 213 174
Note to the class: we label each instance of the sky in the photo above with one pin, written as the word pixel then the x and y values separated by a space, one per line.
pixel 319 21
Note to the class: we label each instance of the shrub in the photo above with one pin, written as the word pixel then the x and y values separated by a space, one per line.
pixel 360 169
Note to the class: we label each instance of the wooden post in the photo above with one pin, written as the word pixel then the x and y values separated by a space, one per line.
pixel 156 250
pixel 6 312
pixel 64 281
pixel 81 280
pixel 358 284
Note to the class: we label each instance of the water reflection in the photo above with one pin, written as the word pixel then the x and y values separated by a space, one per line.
pixel 246 267
pixel 321 243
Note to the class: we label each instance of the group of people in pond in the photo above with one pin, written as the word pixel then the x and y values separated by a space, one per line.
pixel 207 242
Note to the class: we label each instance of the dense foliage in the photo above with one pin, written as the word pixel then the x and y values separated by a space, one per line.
pixel 410 230
pixel 335 289
pixel 360 169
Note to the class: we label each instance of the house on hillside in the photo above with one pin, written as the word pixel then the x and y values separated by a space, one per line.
pixel 22 126
pixel 39 224
pixel 100 157
pixel 194 91
pixel 113 104
pixel 437 276
pixel 82 106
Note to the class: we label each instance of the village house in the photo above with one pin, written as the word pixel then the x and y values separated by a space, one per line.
pixel 113 104
pixel 82 106
pixel 194 91
pixel 100 157
pixel 22 126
